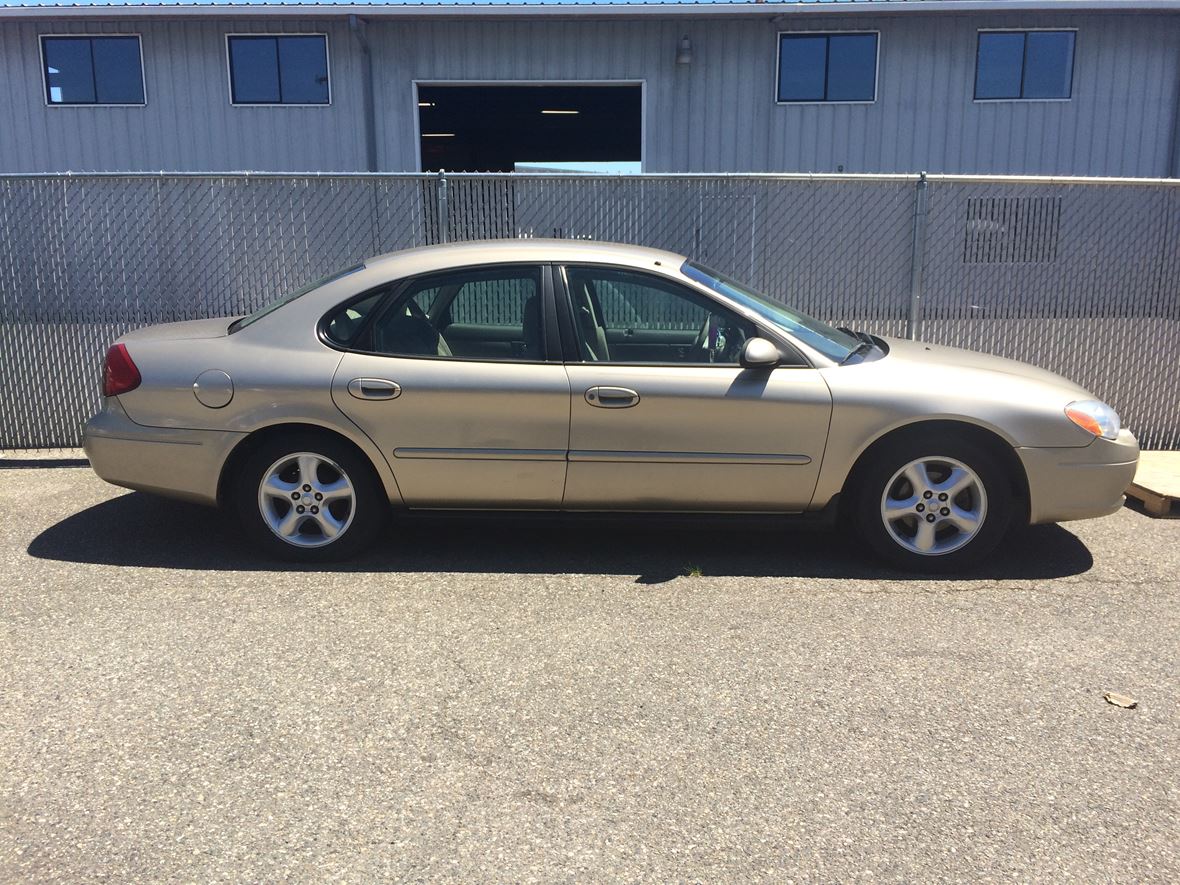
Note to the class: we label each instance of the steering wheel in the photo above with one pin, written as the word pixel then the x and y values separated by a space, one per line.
pixel 730 335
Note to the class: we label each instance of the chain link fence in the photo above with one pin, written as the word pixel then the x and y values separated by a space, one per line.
pixel 1077 276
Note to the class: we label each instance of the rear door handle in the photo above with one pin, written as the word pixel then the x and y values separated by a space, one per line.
pixel 374 388
pixel 612 397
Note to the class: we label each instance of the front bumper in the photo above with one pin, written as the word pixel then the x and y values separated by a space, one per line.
pixel 176 463
pixel 1079 483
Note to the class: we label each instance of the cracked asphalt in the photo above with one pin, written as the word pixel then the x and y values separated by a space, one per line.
pixel 548 700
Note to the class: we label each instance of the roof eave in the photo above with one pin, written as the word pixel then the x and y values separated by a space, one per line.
pixel 604 10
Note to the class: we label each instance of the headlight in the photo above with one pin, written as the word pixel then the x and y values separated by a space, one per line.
pixel 1094 417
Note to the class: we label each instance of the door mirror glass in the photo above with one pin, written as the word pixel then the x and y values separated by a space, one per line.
pixel 758 353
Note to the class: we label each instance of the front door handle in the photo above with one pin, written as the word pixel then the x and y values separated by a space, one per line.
pixel 612 397
pixel 374 388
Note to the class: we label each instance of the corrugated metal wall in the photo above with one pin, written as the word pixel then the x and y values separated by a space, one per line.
pixel 188 123
pixel 717 114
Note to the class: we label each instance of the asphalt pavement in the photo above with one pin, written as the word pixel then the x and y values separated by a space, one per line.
pixel 552 700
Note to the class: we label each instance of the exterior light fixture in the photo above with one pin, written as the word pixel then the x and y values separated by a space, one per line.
pixel 684 51
pixel 425 104
pixel 438 134
pixel 560 112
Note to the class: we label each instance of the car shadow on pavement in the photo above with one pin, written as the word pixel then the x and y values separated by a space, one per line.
pixel 139 530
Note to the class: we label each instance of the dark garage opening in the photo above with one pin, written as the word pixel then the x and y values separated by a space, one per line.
pixel 498 128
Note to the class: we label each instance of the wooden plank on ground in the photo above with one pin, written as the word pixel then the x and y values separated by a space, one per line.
pixel 1157 483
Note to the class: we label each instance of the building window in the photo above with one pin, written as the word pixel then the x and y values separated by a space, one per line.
pixel 92 70
pixel 827 67
pixel 1014 65
pixel 278 69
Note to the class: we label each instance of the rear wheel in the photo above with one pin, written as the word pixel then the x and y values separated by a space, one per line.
pixel 934 505
pixel 309 498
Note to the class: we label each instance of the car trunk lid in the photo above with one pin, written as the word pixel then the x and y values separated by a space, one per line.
pixel 184 331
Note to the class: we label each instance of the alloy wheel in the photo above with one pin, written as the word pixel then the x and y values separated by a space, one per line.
pixel 934 505
pixel 306 500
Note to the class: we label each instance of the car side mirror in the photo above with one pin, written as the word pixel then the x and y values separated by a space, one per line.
pixel 758 353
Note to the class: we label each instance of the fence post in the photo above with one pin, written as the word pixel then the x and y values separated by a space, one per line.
pixel 443 215
pixel 913 326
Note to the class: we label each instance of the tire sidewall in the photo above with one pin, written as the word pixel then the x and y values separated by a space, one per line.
pixel 883 466
pixel 370 506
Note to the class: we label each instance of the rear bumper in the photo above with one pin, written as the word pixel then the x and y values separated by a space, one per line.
pixel 176 463
pixel 1079 483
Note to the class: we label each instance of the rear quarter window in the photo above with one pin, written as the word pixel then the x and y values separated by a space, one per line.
pixel 345 325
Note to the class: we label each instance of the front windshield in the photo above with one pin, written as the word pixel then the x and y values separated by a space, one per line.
pixel 831 342
pixel 287 299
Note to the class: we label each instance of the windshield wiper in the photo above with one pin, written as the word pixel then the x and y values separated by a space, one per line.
pixel 866 343
pixel 859 336
pixel 863 347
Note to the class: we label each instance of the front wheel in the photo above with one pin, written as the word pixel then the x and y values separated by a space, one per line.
pixel 309 498
pixel 936 506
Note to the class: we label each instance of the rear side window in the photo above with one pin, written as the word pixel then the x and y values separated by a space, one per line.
pixel 496 302
pixel 482 313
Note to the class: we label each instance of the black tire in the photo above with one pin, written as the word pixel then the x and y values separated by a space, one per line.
pixel 364 517
pixel 878 475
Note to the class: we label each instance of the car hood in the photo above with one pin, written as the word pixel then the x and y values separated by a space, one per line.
pixel 938 356
pixel 186 331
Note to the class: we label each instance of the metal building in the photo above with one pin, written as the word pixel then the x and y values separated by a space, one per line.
pixel 1058 87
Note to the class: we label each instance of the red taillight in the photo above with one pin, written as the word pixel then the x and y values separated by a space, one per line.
pixel 119 373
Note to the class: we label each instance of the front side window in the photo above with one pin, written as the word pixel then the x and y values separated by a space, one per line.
pixel 281 69
pixel 476 314
pixel 93 70
pixel 827 67
pixel 1024 65
pixel 623 316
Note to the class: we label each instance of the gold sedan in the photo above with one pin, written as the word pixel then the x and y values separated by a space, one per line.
pixel 576 376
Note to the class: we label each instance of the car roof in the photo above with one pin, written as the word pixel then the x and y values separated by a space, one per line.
pixel 428 258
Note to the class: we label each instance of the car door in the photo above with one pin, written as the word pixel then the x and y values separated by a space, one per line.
pixel 663 417
pixel 452 376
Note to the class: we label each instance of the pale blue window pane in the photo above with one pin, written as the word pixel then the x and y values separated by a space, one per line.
pixel 1048 64
pixel 303 70
pixel 802 65
pixel 254 70
pixel 852 67
pixel 117 70
pixel 999 66
pixel 69 75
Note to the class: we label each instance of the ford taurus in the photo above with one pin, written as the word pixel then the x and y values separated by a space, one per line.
pixel 579 376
